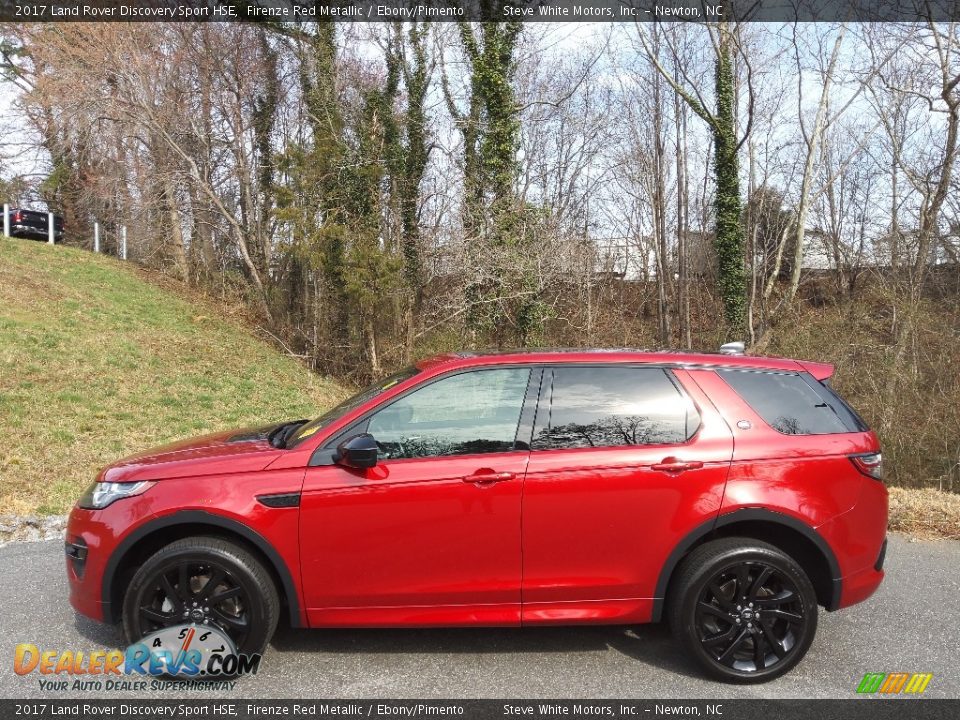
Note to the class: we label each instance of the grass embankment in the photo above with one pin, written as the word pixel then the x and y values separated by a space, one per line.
pixel 97 362
pixel 925 513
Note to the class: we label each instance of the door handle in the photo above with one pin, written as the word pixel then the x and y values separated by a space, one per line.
pixel 488 478
pixel 672 465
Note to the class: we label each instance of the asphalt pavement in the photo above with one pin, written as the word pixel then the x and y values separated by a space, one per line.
pixel 912 624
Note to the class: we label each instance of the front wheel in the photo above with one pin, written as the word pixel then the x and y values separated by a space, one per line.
pixel 203 581
pixel 745 610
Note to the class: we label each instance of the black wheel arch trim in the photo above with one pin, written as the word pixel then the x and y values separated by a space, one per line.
pixel 745 515
pixel 197 517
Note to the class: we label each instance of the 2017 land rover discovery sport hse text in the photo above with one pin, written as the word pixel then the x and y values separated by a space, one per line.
pixel 732 495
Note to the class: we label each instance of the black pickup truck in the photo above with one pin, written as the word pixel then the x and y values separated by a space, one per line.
pixel 33 224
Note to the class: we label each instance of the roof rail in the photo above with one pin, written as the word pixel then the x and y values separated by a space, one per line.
pixel 732 348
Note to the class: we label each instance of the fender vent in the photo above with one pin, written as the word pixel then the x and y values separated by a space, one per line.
pixel 280 500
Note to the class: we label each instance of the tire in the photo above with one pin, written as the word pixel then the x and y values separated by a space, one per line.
pixel 713 603
pixel 248 614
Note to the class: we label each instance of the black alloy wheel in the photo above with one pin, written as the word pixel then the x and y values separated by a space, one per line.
pixel 205 582
pixel 201 593
pixel 745 609
pixel 750 616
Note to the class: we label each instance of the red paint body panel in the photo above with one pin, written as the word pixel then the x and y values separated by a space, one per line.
pixel 809 477
pixel 598 524
pixel 576 535
pixel 206 455
pixel 857 534
pixel 410 542
pixel 229 496
pixel 86 591
pixel 820 371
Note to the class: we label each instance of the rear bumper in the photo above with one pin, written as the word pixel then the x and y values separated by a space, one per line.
pixel 859 586
pixel 881 558
pixel 859 539
pixel 33 232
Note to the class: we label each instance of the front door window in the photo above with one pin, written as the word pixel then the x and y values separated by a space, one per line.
pixel 464 414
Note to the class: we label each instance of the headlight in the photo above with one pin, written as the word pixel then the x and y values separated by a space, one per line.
pixel 101 494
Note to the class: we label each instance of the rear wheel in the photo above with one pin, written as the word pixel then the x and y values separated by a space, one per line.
pixel 203 581
pixel 745 610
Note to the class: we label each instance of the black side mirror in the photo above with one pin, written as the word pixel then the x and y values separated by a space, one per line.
pixel 358 451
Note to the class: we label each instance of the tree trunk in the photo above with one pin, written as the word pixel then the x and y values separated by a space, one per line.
pixel 683 209
pixel 177 249
pixel 659 216
pixel 728 239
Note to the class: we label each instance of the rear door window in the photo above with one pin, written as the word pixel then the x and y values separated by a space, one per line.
pixel 612 406
pixel 791 404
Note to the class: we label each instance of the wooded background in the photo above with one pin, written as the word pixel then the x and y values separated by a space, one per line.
pixel 378 192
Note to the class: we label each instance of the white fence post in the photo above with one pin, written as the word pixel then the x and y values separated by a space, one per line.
pixel 123 242
pixel 50 228
pixel 6 219
pixel 96 236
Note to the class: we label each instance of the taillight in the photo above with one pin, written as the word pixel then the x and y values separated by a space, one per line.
pixel 870 464
pixel 17 216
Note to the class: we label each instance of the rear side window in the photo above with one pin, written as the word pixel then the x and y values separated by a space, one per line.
pixel 608 407
pixel 793 404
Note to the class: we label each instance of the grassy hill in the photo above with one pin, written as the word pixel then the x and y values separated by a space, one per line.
pixel 97 361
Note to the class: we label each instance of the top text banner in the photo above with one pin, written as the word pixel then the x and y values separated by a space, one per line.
pixel 306 11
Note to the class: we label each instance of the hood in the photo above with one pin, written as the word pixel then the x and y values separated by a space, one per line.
pixel 235 451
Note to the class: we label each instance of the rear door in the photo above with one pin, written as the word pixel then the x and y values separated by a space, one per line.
pixel 625 461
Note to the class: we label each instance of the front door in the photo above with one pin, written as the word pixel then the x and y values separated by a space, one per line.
pixel 431 535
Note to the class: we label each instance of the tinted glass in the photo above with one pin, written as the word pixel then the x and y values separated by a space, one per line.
pixel 604 407
pixel 788 403
pixel 351 403
pixel 473 412
pixel 847 414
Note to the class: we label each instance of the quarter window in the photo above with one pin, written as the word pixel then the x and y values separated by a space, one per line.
pixel 789 404
pixel 473 412
pixel 611 406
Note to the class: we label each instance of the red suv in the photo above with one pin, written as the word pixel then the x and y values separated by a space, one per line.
pixel 731 494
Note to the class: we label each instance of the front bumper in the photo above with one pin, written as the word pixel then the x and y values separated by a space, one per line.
pixel 87 547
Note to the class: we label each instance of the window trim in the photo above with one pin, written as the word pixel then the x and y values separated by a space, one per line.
pixel 323 455
pixel 546 399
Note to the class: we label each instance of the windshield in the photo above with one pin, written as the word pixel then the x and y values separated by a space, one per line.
pixel 350 404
